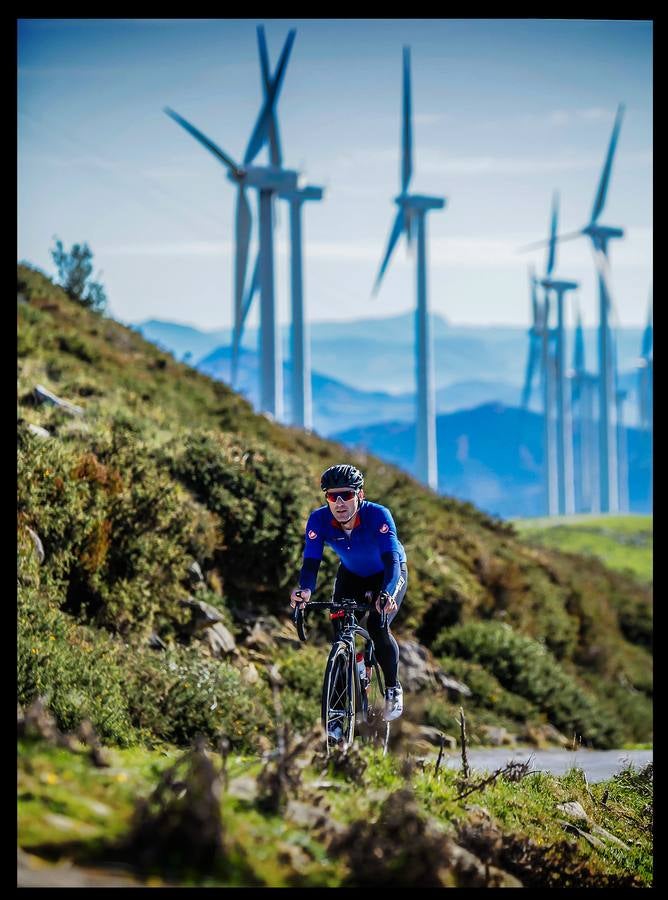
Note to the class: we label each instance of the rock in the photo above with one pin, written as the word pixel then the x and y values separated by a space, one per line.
pixel 244 787
pixel 220 640
pixel 610 838
pixel 434 735
pixel 38 431
pixel 498 736
pixel 574 810
pixel 195 574
pixel 39 547
pixel 250 674
pixel 420 671
pixel 544 736
pixel 203 615
pixel 259 639
pixel 42 395
pixel 455 689
pixel 155 642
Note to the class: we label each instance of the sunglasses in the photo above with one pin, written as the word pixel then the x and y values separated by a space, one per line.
pixel 343 494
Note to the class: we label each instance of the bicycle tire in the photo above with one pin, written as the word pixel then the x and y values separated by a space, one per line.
pixel 374 729
pixel 338 696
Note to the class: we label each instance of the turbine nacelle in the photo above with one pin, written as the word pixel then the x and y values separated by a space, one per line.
pixel 559 285
pixel 269 178
pixel 603 232
pixel 419 202
pixel 309 192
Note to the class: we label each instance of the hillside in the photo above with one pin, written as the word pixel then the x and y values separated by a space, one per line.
pixel 160 529
pixel 621 542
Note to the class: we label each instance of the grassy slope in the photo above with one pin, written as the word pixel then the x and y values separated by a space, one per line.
pixel 623 543
pixel 94 808
pixel 465 567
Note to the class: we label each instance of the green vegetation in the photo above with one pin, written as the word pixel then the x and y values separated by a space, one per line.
pixel 74 272
pixel 621 542
pixel 514 827
pixel 167 472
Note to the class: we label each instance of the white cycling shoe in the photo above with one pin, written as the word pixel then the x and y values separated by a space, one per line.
pixel 394 703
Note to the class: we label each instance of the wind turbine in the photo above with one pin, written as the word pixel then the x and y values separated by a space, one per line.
pixel 301 406
pixel 583 387
pixel 535 337
pixel 645 372
pixel 411 218
pixel 564 422
pixel 268 181
pixel 600 235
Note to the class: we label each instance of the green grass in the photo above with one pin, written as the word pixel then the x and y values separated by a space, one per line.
pixel 624 543
pixel 69 809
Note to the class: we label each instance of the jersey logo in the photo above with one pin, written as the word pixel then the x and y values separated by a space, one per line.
pixel 313 535
pixel 384 528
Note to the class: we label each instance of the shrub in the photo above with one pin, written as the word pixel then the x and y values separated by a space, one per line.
pixel 261 498
pixel 525 667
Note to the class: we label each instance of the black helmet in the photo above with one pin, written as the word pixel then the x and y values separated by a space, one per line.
pixel 341 477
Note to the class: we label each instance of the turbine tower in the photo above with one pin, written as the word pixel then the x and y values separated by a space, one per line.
pixel 268 181
pixel 645 373
pixel 301 405
pixel 566 493
pixel 583 388
pixel 600 235
pixel 411 216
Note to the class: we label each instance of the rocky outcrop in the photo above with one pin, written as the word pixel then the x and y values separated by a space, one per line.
pixel 420 671
pixel 43 395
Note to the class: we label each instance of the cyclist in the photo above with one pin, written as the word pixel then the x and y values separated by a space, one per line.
pixel 372 567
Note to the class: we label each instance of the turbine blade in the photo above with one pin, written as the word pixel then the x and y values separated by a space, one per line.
pixel 529 373
pixel 537 245
pixel 406 133
pixel 603 268
pixel 599 200
pixel 258 135
pixel 272 130
pixel 245 308
pixel 205 141
pixel 397 228
pixel 535 312
pixel 552 251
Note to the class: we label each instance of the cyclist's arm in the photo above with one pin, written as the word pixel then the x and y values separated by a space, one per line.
pixel 392 571
pixel 309 573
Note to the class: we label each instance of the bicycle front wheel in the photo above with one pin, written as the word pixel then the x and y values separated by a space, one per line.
pixel 374 729
pixel 338 698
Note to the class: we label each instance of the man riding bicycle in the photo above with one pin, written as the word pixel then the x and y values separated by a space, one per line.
pixel 373 565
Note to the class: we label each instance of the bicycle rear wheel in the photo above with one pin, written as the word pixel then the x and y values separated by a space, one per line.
pixel 338 698
pixel 373 728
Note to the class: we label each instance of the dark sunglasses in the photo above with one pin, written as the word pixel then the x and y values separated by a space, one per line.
pixel 343 494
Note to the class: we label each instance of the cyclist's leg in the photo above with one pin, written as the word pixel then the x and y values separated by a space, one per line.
pixel 386 647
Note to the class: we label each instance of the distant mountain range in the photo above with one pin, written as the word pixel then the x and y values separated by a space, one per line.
pixel 368 365
pixel 489 451
pixel 492 456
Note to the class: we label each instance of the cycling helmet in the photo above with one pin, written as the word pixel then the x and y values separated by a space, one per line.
pixel 341 477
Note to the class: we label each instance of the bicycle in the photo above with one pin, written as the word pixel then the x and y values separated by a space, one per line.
pixel 347 698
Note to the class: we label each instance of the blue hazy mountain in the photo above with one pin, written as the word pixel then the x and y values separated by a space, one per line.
pixel 492 456
pixel 376 355
pixel 337 405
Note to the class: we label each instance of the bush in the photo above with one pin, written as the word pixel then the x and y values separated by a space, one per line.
pixel 525 667
pixel 261 498
pixel 74 271
pixel 79 671
pixel 118 533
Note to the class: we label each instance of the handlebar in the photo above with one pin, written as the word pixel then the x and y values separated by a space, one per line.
pixel 346 604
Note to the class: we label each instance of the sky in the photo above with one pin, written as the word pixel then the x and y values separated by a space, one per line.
pixel 505 113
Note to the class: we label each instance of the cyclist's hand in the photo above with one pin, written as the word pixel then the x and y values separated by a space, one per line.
pixel 385 603
pixel 300 597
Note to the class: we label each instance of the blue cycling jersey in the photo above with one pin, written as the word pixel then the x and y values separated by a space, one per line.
pixel 373 534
